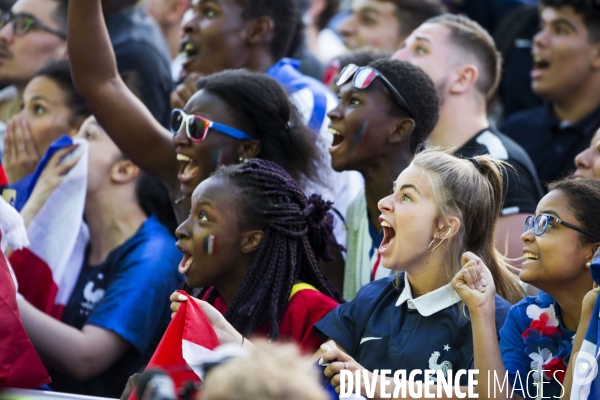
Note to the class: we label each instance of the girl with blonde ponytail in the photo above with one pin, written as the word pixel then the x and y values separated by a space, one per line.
pixel 441 208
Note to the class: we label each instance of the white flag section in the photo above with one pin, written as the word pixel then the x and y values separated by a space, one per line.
pixel 194 355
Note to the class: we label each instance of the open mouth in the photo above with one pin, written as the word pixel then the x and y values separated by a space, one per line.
pixel 389 234
pixel 186 262
pixel 188 169
pixel 540 63
pixel 530 256
pixel 337 137
pixel 188 50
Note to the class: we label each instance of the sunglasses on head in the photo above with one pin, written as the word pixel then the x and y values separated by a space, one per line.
pixel 196 127
pixel 23 23
pixel 540 223
pixel 364 76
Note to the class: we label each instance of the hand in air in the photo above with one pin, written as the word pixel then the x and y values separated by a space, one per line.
pixel 338 361
pixel 21 156
pixel 474 283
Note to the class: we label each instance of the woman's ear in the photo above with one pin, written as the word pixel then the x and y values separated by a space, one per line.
pixel 251 241
pixel 447 228
pixel 124 171
pixel 249 149
pixel 403 129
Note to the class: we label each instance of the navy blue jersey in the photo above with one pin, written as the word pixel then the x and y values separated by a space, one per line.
pixel 385 328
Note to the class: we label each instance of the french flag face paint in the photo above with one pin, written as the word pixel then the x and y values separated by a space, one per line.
pixel 210 245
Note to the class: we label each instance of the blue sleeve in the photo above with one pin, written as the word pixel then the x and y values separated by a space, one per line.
pixel 513 353
pixel 339 325
pixel 136 303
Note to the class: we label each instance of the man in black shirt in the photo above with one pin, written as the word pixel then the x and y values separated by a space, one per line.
pixel 461 58
pixel 566 73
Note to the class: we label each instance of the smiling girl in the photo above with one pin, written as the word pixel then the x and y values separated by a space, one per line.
pixel 541 332
pixel 441 206
pixel 252 243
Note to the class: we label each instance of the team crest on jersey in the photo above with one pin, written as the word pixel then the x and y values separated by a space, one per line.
pixel 436 364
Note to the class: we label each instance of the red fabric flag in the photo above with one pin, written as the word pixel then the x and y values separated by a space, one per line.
pixel 187 342
pixel 20 366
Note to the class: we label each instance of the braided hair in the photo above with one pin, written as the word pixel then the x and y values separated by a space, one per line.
pixel 298 232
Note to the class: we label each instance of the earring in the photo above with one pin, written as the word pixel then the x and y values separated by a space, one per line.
pixel 588 264
pixel 242 159
pixel 441 241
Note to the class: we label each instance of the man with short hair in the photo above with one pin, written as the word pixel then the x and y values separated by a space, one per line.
pixel 566 73
pixel 384 24
pixel 32 34
pixel 462 60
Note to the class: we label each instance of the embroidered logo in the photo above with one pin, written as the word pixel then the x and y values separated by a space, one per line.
pixel 433 364
pixel 91 296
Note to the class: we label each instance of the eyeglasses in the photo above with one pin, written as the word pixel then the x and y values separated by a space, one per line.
pixel 364 76
pixel 23 23
pixel 197 127
pixel 540 224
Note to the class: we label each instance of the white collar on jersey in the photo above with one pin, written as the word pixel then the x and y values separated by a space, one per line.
pixel 430 303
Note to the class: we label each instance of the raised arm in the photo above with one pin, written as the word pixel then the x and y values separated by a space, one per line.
pixel 124 117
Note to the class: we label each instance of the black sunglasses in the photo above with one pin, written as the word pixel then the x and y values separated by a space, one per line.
pixel 364 76
pixel 23 23
pixel 540 223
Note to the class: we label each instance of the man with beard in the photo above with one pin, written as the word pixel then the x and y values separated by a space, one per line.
pixel 462 60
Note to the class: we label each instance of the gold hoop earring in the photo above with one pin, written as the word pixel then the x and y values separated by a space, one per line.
pixel 441 241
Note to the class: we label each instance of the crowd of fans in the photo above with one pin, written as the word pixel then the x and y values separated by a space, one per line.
pixel 350 176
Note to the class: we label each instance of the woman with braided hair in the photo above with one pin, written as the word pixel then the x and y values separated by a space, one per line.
pixel 252 244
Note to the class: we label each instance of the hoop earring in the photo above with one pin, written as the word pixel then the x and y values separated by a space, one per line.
pixel 432 250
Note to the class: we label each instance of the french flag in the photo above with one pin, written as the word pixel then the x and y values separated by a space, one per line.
pixel 47 269
pixel 586 382
pixel 188 341
pixel 20 366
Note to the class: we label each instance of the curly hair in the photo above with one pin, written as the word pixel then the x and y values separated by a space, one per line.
pixel 264 111
pixel 418 90
pixel 298 233
pixel 589 10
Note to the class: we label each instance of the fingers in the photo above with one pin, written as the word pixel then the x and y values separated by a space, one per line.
pixel 184 91
pixel 469 256
pixel 30 146
pixel 177 297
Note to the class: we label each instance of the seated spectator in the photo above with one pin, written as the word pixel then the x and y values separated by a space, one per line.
pixel 360 58
pixel 566 74
pixel 118 311
pixel 384 24
pixel 441 207
pixel 51 108
pixel 32 33
pixel 255 255
pixel 377 129
pixel 540 332
pixel 461 58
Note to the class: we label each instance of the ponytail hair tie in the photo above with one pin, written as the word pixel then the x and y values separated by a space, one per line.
pixel 475 162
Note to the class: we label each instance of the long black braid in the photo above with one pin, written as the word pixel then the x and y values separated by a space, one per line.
pixel 298 232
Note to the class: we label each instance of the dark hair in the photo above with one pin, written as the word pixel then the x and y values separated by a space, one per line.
pixel 360 57
pixel 59 71
pixel 588 10
pixel 412 13
pixel 60 14
pixel 285 16
pixel 420 93
pixel 153 198
pixel 473 39
pixel 298 233
pixel 583 196
pixel 264 111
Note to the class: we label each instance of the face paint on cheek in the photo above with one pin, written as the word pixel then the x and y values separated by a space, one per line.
pixel 210 244
pixel 361 133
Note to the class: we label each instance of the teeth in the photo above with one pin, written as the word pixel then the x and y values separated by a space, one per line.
pixel 188 47
pixel 531 256
pixel 538 59
pixel 181 157
pixel 333 131
pixel 385 224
